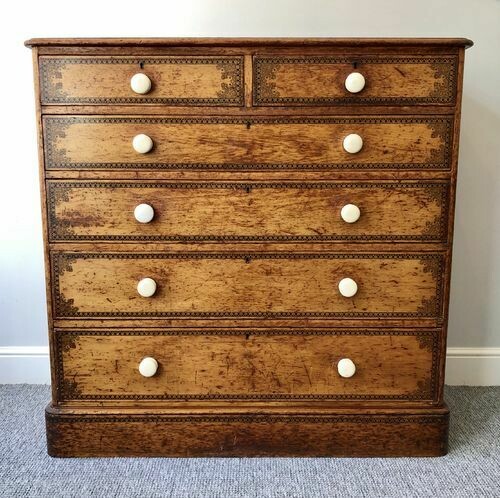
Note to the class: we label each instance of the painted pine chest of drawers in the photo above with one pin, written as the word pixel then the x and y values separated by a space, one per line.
pixel 248 243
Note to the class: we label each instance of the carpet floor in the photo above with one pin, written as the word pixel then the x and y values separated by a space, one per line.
pixel 471 469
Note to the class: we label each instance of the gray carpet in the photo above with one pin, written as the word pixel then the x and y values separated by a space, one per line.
pixel 472 468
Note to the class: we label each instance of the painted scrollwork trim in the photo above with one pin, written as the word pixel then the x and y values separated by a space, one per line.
pixel 437 229
pixel 67 388
pixel 437 419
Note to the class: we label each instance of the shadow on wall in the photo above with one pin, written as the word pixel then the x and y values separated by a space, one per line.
pixel 474 309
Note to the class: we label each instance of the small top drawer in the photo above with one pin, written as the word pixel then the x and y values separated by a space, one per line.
pixel 186 80
pixel 368 80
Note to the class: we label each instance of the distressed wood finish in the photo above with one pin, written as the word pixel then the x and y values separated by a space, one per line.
pixel 263 285
pixel 248 364
pixel 175 80
pixel 128 44
pixel 247 143
pixel 319 80
pixel 379 433
pixel 264 211
pixel 247 177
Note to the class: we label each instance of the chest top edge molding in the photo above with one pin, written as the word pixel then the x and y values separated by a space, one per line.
pixel 232 42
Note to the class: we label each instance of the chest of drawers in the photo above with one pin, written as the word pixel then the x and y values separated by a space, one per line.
pixel 248 243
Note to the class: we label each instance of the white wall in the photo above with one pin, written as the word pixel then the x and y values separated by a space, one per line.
pixel 475 298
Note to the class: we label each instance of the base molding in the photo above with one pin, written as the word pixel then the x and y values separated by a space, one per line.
pixel 347 433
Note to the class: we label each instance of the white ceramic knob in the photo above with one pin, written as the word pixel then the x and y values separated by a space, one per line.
pixel 148 367
pixel 350 213
pixel 348 287
pixel 355 82
pixel 142 143
pixel 353 143
pixel 140 83
pixel 346 368
pixel 146 287
pixel 144 213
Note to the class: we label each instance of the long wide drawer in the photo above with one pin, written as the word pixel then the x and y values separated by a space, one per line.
pixel 247 364
pixel 239 143
pixel 211 211
pixel 261 285
pixel 321 80
pixel 186 80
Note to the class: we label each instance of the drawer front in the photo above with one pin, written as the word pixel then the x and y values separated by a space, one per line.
pixel 260 285
pixel 321 80
pixel 186 80
pixel 248 364
pixel 247 211
pixel 223 143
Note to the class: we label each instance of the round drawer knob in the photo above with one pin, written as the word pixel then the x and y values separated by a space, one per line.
pixel 348 287
pixel 146 287
pixel 148 367
pixel 142 143
pixel 140 83
pixel 350 213
pixel 353 143
pixel 144 213
pixel 355 82
pixel 346 368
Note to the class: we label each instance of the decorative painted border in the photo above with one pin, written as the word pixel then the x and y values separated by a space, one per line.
pixel 69 390
pixel 54 128
pixel 65 308
pixel 231 94
pixel 253 418
pixel 58 192
pixel 264 69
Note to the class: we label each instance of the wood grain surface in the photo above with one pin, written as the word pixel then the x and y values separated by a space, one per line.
pixel 232 143
pixel 248 364
pixel 268 211
pixel 251 285
pixel 319 80
pixel 380 433
pixel 175 80
pixel 220 42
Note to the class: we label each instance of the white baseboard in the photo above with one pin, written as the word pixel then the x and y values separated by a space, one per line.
pixel 473 367
pixel 24 365
pixel 464 366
